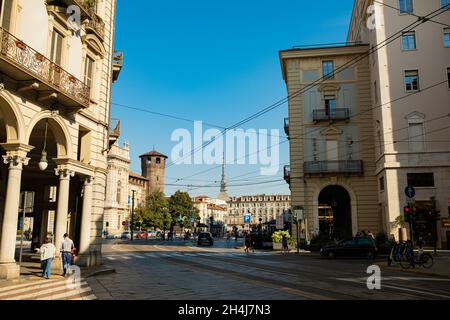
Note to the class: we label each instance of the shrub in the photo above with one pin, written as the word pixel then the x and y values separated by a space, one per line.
pixel 278 236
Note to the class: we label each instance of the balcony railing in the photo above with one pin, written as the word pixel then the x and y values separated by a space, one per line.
pixel 338 166
pixel 286 126
pixel 96 23
pixel 117 64
pixel 329 115
pixel 287 174
pixel 33 65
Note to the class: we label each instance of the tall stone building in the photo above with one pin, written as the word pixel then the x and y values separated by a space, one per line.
pixel 410 132
pixel 116 206
pixel 360 137
pixel 153 166
pixel 331 149
pixel 55 92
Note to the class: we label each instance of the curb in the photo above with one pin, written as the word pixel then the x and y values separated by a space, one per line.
pixel 100 272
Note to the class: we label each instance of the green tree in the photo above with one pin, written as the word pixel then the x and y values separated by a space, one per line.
pixel 155 212
pixel 181 208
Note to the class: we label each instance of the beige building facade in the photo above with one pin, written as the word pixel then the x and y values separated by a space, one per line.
pixel 411 133
pixel 55 80
pixel 117 207
pixel 210 207
pixel 264 207
pixel 332 171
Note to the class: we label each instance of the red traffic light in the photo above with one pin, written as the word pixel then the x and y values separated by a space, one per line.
pixel 407 209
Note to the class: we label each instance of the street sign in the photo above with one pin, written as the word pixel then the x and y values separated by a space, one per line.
pixel 410 192
pixel 247 219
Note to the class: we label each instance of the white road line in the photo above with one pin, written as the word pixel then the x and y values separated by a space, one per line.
pixel 383 285
pixel 63 295
pixel 41 285
pixel 40 293
pixel 27 285
pixel 110 258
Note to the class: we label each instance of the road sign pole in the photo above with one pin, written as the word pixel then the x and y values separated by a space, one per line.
pixel 132 215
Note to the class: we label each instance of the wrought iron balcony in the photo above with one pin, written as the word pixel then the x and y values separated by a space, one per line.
pixel 88 9
pixel 26 65
pixel 114 131
pixel 286 126
pixel 330 115
pixel 117 64
pixel 338 166
pixel 97 25
pixel 287 174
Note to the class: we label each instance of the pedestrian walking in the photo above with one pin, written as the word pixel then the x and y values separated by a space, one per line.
pixel 284 244
pixel 48 251
pixel 248 242
pixel 66 251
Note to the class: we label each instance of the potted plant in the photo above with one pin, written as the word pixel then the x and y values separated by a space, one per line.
pixel 277 237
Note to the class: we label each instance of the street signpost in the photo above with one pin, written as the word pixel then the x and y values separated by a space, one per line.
pixel 410 193
pixel 247 219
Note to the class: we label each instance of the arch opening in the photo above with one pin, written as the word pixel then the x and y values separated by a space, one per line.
pixel 335 212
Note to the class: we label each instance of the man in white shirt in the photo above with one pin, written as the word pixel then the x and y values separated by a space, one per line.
pixel 66 252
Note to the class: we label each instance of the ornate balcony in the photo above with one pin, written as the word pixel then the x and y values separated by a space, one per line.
pixel 88 11
pixel 287 174
pixel 286 126
pixel 117 64
pixel 97 25
pixel 114 131
pixel 331 115
pixel 338 166
pixel 33 71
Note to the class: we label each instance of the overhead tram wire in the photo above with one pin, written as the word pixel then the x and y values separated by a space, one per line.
pixel 320 128
pixel 279 180
pixel 384 144
pixel 350 63
pixel 412 13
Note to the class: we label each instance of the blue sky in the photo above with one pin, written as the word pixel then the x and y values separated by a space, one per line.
pixel 215 61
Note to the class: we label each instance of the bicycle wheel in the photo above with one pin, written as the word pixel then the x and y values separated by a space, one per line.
pixel 427 261
pixel 405 263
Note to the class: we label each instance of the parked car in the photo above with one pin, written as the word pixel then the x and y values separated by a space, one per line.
pixel 126 235
pixel 205 238
pixel 142 235
pixel 352 247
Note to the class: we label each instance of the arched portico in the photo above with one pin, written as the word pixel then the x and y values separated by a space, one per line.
pixel 353 204
pixel 11 121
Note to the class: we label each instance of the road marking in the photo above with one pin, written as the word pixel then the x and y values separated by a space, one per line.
pixel 397 288
pixel 42 284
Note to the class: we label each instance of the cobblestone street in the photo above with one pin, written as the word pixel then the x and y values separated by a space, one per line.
pixel 173 271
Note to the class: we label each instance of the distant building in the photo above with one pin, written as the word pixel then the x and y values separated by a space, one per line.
pixel 153 166
pixel 209 207
pixel 116 205
pixel 264 207
pixel 139 185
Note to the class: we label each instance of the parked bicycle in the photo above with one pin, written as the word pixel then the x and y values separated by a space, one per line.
pixel 403 253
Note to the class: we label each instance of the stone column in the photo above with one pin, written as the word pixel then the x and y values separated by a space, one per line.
pixel 8 267
pixel 86 223
pixel 62 206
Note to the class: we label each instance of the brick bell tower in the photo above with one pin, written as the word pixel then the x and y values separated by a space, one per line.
pixel 153 166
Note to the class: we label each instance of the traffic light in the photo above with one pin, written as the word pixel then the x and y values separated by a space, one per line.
pixel 407 214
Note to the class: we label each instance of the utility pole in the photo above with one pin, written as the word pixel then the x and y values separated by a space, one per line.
pixel 132 214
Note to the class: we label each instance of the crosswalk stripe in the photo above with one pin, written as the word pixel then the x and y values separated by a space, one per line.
pixel 63 295
pixel 23 285
pixel 28 296
pixel 41 285
pixel 110 258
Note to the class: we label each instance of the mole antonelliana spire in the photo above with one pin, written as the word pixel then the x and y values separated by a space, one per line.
pixel 223 195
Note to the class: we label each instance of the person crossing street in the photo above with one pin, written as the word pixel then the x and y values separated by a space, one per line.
pixel 66 252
